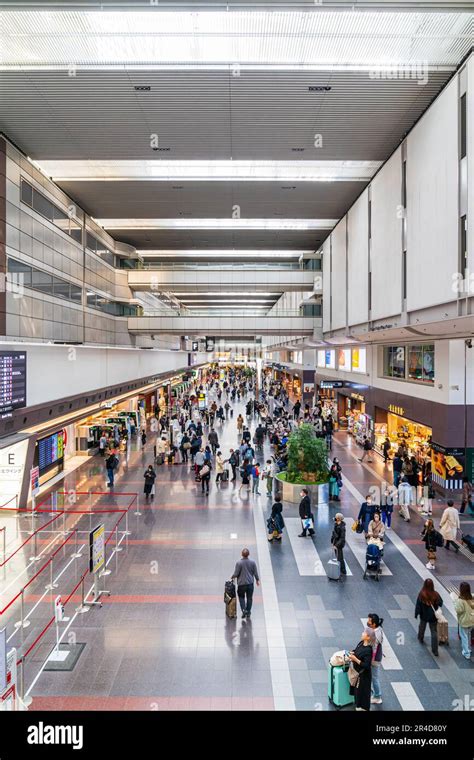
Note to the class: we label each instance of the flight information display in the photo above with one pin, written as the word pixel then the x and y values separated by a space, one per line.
pixel 50 451
pixel 12 382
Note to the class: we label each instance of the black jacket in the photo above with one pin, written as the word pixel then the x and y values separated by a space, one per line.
pixel 425 611
pixel 305 507
pixel 338 538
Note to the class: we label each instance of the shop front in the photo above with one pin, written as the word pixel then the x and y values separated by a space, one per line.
pixel 353 417
pixel 123 417
pixel 327 397
pixel 392 424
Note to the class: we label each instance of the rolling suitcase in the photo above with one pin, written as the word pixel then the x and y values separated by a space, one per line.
pixel 225 476
pixel 230 599
pixel 469 542
pixel 334 569
pixel 338 686
pixel 160 458
pixel 443 632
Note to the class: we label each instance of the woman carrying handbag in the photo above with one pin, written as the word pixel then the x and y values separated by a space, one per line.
pixel 428 609
pixel 360 671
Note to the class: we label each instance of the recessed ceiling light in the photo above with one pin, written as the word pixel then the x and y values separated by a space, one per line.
pixel 142 88
pixel 319 88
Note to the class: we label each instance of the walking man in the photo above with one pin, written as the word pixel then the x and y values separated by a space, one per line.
pixel 111 464
pixel 245 573
pixel 367 446
pixel 305 512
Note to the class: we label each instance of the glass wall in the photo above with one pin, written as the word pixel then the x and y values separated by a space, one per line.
pixel 95 245
pixel 96 301
pixel 42 205
pixel 22 275
pixel 414 362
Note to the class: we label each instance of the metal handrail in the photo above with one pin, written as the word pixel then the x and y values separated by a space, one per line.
pixel 254 266
pixel 226 313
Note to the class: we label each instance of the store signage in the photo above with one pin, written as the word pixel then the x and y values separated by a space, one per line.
pixel 34 480
pixel 97 549
pixel 396 410
pixel 195 345
pixel 210 344
pixel 357 397
pixel 330 384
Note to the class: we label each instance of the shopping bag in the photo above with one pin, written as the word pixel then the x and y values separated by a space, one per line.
pixel 308 523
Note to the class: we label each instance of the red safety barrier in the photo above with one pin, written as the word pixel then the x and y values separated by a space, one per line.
pixel 38 573
pixel 5 506
pixel 29 539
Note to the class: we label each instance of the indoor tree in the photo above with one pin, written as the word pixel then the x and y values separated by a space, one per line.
pixel 307 457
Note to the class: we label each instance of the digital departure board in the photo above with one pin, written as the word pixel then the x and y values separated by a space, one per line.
pixel 50 451
pixel 12 382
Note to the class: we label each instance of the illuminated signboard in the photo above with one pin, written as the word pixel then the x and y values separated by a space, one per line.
pixel 12 382
pixel 50 451
pixel 97 549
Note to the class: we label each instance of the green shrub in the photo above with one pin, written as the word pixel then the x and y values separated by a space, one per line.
pixel 307 457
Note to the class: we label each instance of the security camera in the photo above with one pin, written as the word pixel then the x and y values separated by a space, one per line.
pixel 468 343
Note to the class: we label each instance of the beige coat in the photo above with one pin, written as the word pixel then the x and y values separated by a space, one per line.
pixel 449 524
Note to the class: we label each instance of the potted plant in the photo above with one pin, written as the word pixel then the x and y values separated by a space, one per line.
pixel 307 466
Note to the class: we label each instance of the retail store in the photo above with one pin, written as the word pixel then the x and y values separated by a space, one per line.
pixel 352 416
pixel 327 395
pixel 399 429
pixel 291 380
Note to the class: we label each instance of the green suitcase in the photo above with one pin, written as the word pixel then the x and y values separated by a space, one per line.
pixel 338 686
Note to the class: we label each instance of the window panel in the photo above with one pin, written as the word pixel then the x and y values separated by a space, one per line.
pixel 428 363
pixel 21 273
pixel 26 193
pixel 415 362
pixel 76 293
pixel 61 288
pixel 42 281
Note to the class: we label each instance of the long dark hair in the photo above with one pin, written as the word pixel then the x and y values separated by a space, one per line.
pixel 428 595
pixel 465 591
pixel 378 621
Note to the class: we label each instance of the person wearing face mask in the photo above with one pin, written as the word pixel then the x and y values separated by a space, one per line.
pixel 366 513
pixel 374 622
pixel 361 658
pixel 305 512
pixel 338 540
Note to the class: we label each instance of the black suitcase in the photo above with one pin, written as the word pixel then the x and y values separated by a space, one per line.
pixel 225 476
pixel 469 542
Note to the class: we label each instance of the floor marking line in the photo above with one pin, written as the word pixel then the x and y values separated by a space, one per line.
pixel 281 680
pixel 406 695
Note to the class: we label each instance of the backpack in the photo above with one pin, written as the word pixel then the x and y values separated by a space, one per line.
pixel 112 463
pixel 439 539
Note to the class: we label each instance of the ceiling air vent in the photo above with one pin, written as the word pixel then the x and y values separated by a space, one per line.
pixel 142 88
pixel 319 88
pixel 297 150
pixel 163 150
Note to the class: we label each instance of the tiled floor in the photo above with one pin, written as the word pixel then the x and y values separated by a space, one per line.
pixel 162 641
